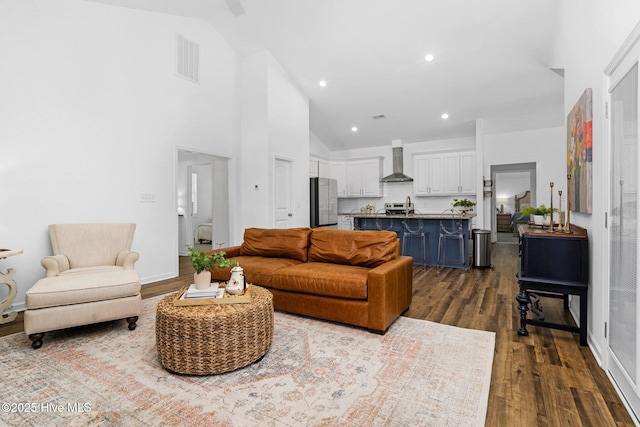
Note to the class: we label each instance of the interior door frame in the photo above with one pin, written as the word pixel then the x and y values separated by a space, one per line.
pixel 291 163
pixel 180 198
pixel 530 167
pixel 627 55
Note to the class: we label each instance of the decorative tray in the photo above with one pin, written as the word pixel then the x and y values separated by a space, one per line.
pixel 227 299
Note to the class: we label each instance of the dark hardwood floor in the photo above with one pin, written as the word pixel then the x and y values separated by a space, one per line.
pixel 545 379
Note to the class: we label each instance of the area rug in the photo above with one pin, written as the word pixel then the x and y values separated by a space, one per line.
pixel 315 374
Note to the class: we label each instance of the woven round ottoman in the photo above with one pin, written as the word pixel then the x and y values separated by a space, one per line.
pixel 212 339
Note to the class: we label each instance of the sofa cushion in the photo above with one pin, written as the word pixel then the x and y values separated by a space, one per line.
pixel 276 243
pixel 361 248
pixel 82 288
pixel 319 278
pixel 257 270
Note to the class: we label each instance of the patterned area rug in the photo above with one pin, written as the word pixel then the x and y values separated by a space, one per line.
pixel 315 374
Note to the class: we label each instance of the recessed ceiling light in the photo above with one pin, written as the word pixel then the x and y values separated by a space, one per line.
pixel 354 129
pixel 322 83
pixel 429 57
pixel 445 116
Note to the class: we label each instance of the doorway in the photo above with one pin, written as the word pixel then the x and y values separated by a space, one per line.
pixel 512 183
pixel 202 201
pixel 282 200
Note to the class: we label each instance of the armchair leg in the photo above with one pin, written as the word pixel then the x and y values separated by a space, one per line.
pixel 132 322
pixel 36 339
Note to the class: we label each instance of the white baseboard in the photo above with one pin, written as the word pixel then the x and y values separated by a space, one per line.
pixel 157 278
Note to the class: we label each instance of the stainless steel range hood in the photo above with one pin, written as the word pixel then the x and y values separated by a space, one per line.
pixel 398 174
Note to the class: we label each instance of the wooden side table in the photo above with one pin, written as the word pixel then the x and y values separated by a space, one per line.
pixel 13 288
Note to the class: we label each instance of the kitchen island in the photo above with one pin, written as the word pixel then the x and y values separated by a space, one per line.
pixel 431 225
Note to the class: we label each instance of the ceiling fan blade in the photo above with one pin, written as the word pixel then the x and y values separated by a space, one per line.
pixel 235 7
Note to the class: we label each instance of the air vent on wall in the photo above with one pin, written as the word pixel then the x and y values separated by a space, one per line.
pixel 187 59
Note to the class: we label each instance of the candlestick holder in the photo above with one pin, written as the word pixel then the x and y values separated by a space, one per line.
pixel 567 223
pixel 559 211
pixel 551 219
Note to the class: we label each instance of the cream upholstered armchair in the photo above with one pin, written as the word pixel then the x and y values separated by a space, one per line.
pixel 83 248
pixel 90 278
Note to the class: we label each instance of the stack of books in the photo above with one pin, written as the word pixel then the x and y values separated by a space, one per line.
pixel 212 291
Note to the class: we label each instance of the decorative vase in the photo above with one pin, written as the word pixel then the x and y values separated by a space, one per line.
pixel 202 280
pixel 538 219
pixel 237 284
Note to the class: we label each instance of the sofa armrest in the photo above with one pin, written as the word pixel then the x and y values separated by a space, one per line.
pixel 55 264
pixel 126 259
pixel 223 274
pixel 390 288
pixel 229 252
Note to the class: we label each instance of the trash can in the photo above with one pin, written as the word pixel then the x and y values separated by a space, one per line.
pixel 472 249
pixel 481 248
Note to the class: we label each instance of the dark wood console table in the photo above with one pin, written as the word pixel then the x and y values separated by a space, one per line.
pixel 553 264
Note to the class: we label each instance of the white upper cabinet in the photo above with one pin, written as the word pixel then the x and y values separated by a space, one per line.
pixel 313 168
pixel 339 173
pixel 452 173
pixel 319 168
pixel 444 174
pixel 420 178
pixel 358 178
pixel 436 175
pixel 468 172
pixel 428 174
pixel 354 179
pixel 324 169
pixel 363 178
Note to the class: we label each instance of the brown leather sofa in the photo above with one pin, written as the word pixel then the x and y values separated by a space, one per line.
pixel 353 277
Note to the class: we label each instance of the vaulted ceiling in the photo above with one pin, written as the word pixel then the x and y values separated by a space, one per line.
pixel 491 61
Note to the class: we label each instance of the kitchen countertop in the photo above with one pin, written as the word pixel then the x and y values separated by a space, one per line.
pixel 414 216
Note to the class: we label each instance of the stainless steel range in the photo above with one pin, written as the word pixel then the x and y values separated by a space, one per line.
pixel 398 208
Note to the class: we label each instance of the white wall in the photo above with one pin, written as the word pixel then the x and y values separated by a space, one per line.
pixel 289 139
pixel 545 147
pixel 317 147
pixel 274 124
pixel 588 39
pixel 254 149
pixel 90 116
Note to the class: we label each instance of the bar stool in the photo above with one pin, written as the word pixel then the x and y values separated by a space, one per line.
pixel 358 223
pixel 379 221
pixel 425 240
pixel 451 230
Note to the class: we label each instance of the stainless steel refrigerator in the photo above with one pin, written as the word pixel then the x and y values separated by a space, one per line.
pixel 324 202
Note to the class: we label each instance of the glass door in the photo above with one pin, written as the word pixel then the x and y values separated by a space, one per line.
pixel 623 232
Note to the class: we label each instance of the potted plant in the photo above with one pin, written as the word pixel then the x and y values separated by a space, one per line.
pixel 464 205
pixel 537 214
pixel 202 262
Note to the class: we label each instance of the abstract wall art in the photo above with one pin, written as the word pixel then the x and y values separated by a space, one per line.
pixel 579 155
